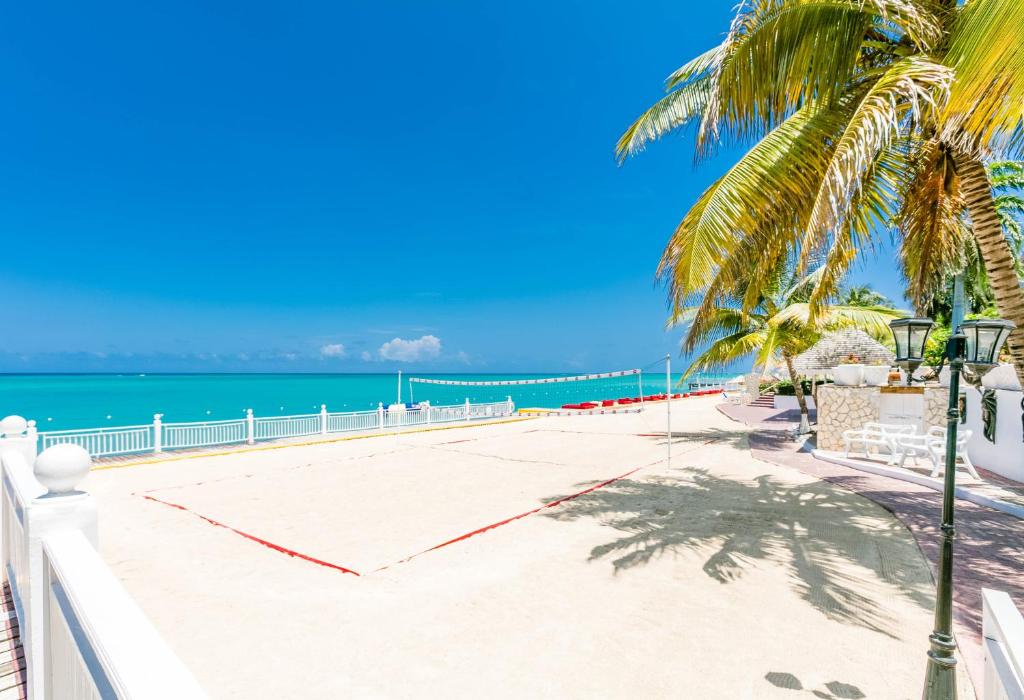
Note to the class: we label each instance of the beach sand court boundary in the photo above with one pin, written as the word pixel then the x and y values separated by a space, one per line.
pixel 559 557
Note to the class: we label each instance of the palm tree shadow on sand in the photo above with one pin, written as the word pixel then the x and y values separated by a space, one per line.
pixel 826 538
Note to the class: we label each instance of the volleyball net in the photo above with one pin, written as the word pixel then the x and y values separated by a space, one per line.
pixel 622 387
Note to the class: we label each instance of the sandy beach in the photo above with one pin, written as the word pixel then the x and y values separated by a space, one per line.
pixel 370 568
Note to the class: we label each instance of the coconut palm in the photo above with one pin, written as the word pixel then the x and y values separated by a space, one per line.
pixel 863 295
pixel 778 327
pixel 1007 179
pixel 864 115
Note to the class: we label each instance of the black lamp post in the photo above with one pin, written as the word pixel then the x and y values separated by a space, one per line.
pixel 910 335
pixel 976 344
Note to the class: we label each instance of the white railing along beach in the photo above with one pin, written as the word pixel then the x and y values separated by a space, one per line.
pixel 159 436
pixel 83 636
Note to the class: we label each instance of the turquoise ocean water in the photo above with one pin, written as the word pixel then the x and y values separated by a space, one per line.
pixel 64 401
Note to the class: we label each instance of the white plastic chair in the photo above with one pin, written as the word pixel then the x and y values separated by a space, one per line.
pixel 876 435
pixel 937 446
pixel 914 446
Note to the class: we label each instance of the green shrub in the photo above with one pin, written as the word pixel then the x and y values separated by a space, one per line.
pixel 935 348
pixel 784 387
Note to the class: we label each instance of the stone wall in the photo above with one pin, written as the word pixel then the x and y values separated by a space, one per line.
pixel 936 403
pixel 841 408
pixel 844 407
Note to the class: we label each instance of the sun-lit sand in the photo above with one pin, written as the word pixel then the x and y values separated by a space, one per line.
pixel 716 577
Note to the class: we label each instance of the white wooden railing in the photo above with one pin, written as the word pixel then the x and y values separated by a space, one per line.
pixel 199 434
pixel 1003 637
pixel 104 441
pixel 83 636
pixel 158 435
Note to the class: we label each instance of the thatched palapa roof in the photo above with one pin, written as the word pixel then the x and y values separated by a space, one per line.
pixel 834 348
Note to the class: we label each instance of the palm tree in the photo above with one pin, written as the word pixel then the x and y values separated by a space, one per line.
pixel 777 328
pixel 865 114
pixel 1007 179
pixel 863 295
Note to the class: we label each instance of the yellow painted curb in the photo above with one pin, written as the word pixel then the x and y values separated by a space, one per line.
pixel 262 448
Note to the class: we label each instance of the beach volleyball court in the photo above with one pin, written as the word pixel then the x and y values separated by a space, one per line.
pixel 402 496
pixel 550 558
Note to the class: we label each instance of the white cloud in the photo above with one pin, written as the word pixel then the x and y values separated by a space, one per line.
pixel 425 347
pixel 332 350
pixel 463 357
pixel 366 356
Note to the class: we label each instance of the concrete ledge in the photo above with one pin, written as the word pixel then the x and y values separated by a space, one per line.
pixel 921 480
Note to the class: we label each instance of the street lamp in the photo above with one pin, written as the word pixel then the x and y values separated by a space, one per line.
pixel 976 344
pixel 985 337
pixel 910 335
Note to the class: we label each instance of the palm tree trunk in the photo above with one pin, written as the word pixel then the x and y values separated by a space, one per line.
pixel 798 389
pixel 995 252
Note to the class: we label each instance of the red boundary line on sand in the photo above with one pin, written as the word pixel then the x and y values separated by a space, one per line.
pixel 506 521
pixel 254 538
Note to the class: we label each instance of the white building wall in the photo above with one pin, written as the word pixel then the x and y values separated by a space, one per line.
pixel 1006 455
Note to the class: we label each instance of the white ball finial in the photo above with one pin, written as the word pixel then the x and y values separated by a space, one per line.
pixel 13 426
pixel 62 467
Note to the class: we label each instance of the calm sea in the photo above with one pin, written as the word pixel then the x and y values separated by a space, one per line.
pixel 94 400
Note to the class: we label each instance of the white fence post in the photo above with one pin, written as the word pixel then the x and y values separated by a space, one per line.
pixel 323 419
pixel 79 630
pixel 32 436
pixel 20 435
pixel 380 415
pixel 511 406
pixel 425 406
pixel 58 469
pixel 250 427
pixel 467 409
pixel 158 429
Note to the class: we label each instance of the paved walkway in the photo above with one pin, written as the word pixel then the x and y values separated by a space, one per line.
pixel 988 550
pixel 990 490
pixel 12 656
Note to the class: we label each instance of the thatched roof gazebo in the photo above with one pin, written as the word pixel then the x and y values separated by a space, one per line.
pixel 833 349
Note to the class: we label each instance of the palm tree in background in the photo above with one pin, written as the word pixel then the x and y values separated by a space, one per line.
pixel 864 115
pixel 776 329
pixel 863 295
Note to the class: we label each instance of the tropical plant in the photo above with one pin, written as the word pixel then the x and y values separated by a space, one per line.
pixel 1007 179
pixel 865 115
pixel 863 295
pixel 775 330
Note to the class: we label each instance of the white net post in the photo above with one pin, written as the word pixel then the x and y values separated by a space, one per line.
pixel 668 407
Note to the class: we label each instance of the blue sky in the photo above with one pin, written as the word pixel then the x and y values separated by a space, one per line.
pixel 316 186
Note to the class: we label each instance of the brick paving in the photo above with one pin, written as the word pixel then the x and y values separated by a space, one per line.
pixel 988 552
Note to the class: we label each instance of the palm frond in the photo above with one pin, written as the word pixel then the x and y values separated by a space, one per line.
pixel 907 88
pixel 1006 174
pixel 871 210
pixel 781 54
pixel 762 191
pixel 931 220
pixel 670 112
pixel 986 104
pixel 729 349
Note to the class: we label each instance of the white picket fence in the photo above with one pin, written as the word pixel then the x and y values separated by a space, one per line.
pixel 83 636
pixel 1003 637
pixel 159 436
